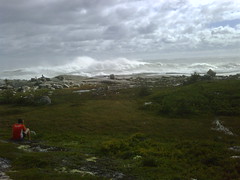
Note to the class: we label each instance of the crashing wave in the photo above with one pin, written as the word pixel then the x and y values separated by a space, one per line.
pixel 87 66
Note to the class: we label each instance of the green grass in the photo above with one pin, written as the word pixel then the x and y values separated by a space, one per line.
pixel 169 139
pixel 212 97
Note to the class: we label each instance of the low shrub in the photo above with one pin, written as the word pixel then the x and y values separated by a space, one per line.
pixel 22 98
pixel 125 148
pixel 149 162
pixel 218 98
pixel 144 91
pixel 114 147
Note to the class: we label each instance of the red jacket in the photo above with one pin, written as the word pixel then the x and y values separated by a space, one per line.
pixel 17 131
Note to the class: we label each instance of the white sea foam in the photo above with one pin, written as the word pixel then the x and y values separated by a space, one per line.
pixel 87 66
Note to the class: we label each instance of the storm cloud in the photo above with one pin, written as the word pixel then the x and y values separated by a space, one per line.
pixel 47 31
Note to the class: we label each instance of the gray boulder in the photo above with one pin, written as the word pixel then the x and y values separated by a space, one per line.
pixel 61 78
pixel 45 86
pixel 66 86
pixel 76 85
pixel 44 100
pixel 57 86
pixel 24 89
pixel 42 86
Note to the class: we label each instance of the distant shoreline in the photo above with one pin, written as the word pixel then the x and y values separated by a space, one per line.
pixel 111 81
pixel 122 76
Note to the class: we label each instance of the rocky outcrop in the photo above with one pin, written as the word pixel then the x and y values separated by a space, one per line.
pixel 6 87
pixel 111 82
pixel 4 166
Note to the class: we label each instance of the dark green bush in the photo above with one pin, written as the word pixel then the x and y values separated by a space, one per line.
pixel 6 96
pixel 195 77
pixel 144 91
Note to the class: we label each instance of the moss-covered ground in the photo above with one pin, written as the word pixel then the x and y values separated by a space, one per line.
pixel 115 133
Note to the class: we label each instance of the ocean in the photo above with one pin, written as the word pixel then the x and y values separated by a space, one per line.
pixel 86 66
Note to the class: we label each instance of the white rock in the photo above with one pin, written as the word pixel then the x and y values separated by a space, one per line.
pixel 221 128
pixel 147 103
pixel 235 157
pixel 235 148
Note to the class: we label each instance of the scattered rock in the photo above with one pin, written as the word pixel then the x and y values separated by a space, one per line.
pixel 92 159
pixel 39 148
pixel 66 86
pixel 61 78
pixel 82 91
pixel 35 88
pixel 3 176
pixel 235 148
pixel 221 128
pixel 73 171
pixel 82 172
pixel 24 148
pixel 24 89
pixel 122 82
pixel 147 103
pixel 4 166
pixel 6 87
pixel 137 157
pixel 42 86
pixel 102 168
pixel 76 85
pixel 57 86
pixel 235 157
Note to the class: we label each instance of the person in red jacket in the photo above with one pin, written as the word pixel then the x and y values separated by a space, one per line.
pixel 19 131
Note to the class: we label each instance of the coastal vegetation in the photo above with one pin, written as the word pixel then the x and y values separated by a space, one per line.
pixel 164 132
pixel 205 97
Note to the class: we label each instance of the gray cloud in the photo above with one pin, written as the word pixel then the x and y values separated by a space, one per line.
pixel 49 29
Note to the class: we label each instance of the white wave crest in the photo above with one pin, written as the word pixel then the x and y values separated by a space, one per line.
pixel 87 66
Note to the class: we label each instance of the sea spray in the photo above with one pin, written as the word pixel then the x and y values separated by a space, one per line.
pixel 87 66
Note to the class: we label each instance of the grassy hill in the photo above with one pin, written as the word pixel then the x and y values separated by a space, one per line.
pixel 119 135
pixel 206 97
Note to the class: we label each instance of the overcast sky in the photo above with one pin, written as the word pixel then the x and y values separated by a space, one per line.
pixel 54 31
